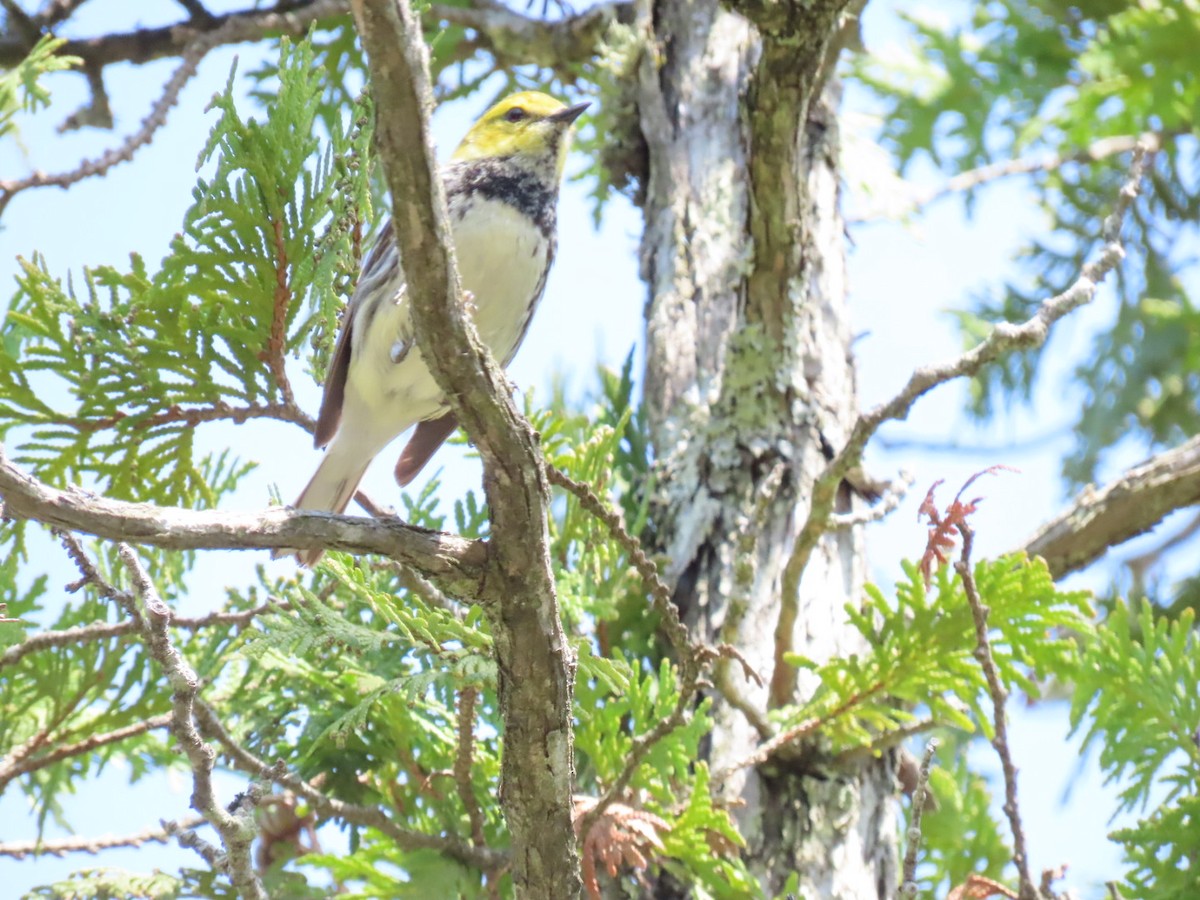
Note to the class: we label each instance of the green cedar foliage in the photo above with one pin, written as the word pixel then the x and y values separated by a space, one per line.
pixel 354 674
pixel 19 86
pixel 1138 698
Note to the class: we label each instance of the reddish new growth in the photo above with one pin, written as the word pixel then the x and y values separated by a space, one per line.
pixel 944 526
pixel 622 834
pixel 977 887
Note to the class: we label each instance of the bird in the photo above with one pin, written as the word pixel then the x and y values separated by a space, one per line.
pixel 501 189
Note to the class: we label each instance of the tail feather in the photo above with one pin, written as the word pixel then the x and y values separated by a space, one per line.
pixel 330 490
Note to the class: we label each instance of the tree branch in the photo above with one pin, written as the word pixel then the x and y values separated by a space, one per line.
pixel 514 39
pixel 1005 338
pixel 908 884
pixel 145 45
pixel 63 846
pixel 456 565
pixel 999 695
pixel 534 659
pixel 483 858
pixel 1009 168
pixel 1123 509
pixel 103 631
pixel 237 829
pixel 463 761
pixel 157 117
pixel 29 764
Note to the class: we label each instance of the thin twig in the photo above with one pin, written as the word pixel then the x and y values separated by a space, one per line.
pixel 660 593
pixel 143 45
pixel 274 353
pixel 908 883
pixel 32 763
pixel 803 729
pixel 1009 168
pixel 892 497
pixel 103 631
pixel 1005 338
pixel 483 858
pixel 93 845
pixel 156 118
pixel 218 411
pixel 691 658
pixel 462 761
pixel 983 653
pixel 237 831
pixel 56 11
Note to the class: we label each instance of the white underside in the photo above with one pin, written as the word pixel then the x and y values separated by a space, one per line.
pixel 501 258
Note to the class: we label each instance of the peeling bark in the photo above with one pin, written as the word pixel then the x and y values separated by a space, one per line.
pixel 749 390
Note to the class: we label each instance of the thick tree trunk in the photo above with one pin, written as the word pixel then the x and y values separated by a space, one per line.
pixel 749 387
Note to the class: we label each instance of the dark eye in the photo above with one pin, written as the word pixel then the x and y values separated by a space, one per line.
pixel 516 114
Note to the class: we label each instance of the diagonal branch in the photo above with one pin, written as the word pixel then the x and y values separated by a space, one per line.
pixel 237 830
pixel 29 764
pixel 1005 338
pixel 1009 168
pixel 103 631
pixel 145 45
pixel 63 846
pixel 454 564
pixel 1129 506
pixel 513 38
pixel 999 695
pixel 533 655
pixel 483 858
pixel 157 117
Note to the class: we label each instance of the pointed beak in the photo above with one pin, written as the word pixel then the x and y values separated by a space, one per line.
pixel 570 114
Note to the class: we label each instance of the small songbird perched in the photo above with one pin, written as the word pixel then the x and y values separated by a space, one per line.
pixel 502 191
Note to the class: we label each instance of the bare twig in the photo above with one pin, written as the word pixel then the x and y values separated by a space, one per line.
pixel 483 858
pixel 31 763
pixel 273 354
pixel 46 640
pixel 1132 504
pixel 192 841
pixel 462 761
pixel 218 411
pixel 1004 338
pixel 237 831
pixel 124 153
pixel 660 593
pixel 454 564
pixel 692 658
pixel 983 653
pixel 510 37
pixel 884 741
pixel 145 45
pixel 1140 564
pixel 892 497
pixel 908 884
pixel 63 846
pixel 103 631
pixel 1009 168
pixel 57 11
pixel 800 730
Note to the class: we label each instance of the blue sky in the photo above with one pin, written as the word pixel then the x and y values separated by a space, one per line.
pixel 903 279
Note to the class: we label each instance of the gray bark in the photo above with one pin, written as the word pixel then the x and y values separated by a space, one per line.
pixel 749 388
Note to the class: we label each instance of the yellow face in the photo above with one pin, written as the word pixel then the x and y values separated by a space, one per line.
pixel 529 124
